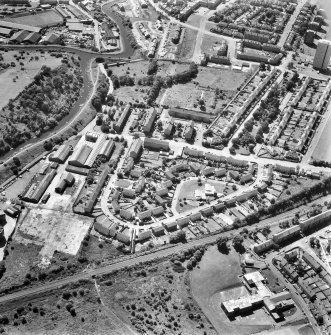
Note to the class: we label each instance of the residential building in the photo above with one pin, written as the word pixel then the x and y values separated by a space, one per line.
pixel 322 55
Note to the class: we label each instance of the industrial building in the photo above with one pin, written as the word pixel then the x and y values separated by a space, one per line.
pixel 322 55
pixel 61 154
pixel 35 191
pixel 80 157
pixel 107 149
pixel 18 37
pixel 93 197
pixel 67 179
pixel 32 38
pixel 18 26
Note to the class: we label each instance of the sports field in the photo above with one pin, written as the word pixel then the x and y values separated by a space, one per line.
pixel 43 19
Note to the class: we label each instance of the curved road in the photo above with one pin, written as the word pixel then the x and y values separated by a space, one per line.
pixel 67 125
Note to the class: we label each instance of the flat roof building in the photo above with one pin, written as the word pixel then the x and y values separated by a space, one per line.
pixel 322 55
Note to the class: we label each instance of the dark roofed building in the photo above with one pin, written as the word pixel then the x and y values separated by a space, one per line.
pixel 193 153
pixel 158 231
pixel 207 211
pixel 149 121
pixel 312 262
pixel 129 193
pixel 79 170
pixel 190 115
pixel 189 132
pixel 60 187
pixel 157 211
pixel 136 148
pixel 32 38
pixel 246 178
pixel 171 226
pixel 89 205
pixel 61 154
pixel 51 38
pixel 123 118
pixel 125 214
pixel 125 239
pixel 183 222
pixel 195 217
pixel 160 201
pixel 219 207
pixel 155 144
pixel 146 215
pixel 18 37
pixel 144 236
pixel 220 172
pixel 170 175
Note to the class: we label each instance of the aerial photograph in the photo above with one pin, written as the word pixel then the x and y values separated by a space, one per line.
pixel 165 167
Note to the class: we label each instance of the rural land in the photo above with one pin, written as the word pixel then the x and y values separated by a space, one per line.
pixel 165 167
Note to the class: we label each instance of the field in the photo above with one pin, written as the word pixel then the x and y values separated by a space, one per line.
pixel 219 272
pixel 204 87
pixel 54 231
pixel 187 44
pixel 220 78
pixel 14 79
pixel 210 43
pixel 44 19
pixel 150 298
pixel 322 150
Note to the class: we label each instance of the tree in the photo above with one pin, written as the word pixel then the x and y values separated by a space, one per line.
pixel 16 161
pixel 222 243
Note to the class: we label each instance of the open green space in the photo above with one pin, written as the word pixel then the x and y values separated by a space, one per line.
pixel 43 19
pixel 217 273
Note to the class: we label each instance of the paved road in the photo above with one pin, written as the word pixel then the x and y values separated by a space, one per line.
pixel 290 23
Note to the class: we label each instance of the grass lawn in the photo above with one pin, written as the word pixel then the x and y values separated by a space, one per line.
pixel 44 19
pixel 322 150
pixel 186 48
pixel 217 273
pixel 210 43
pixel 222 79
pixel 297 186
pixel 188 188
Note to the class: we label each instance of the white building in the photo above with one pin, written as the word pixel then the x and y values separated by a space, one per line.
pixel 322 55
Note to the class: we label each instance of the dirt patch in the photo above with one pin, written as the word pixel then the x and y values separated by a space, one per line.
pixel 53 230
